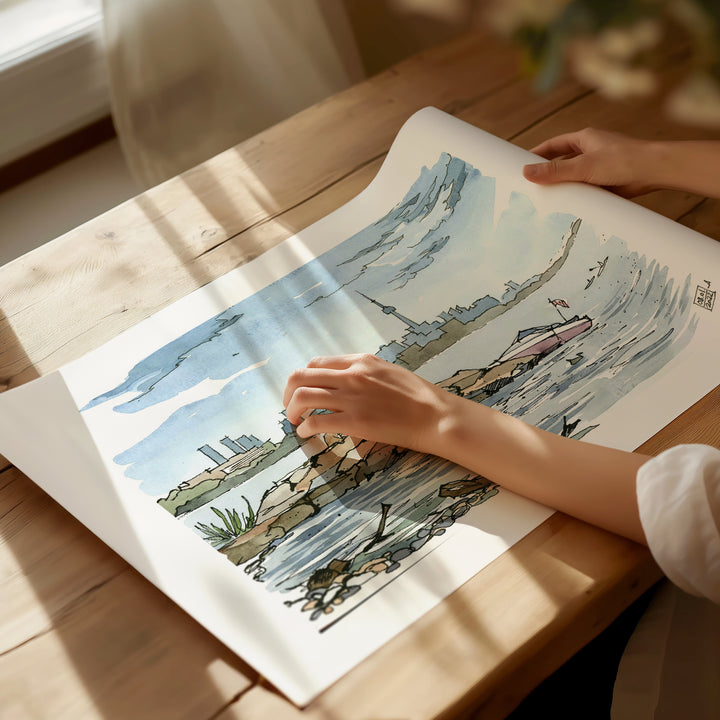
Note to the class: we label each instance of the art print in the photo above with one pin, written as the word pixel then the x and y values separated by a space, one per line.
pixel 539 315
pixel 572 309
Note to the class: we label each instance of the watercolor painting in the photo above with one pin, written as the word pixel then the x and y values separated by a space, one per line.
pixel 535 313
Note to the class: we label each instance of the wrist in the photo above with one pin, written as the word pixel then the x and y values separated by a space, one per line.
pixel 663 165
pixel 686 165
pixel 651 163
pixel 462 432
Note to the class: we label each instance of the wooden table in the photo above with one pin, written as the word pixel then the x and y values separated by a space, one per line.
pixel 84 635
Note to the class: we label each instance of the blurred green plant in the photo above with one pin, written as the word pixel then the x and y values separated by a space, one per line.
pixel 614 46
pixel 234 525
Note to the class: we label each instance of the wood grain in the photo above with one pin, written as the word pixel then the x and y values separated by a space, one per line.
pixel 84 636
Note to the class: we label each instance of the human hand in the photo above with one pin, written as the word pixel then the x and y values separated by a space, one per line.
pixel 378 401
pixel 369 398
pixel 617 162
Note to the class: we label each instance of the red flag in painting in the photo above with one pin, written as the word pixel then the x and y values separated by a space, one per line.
pixel 559 302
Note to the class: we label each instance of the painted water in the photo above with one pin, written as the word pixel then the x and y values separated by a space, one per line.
pixel 347 525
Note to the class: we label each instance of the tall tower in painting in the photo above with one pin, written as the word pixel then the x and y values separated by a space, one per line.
pixel 390 310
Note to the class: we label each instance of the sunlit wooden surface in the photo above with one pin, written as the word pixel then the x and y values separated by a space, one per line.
pixel 83 635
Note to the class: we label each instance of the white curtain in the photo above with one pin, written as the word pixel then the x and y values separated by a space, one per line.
pixel 190 78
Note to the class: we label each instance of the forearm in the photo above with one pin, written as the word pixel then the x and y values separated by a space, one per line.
pixel 692 166
pixel 590 482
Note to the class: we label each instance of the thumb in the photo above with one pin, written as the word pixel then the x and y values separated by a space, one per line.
pixel 557 170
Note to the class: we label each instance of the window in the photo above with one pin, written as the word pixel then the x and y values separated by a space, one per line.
pixel 53 78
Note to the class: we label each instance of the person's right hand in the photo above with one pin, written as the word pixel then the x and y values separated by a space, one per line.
pixel 610 160
pixel 369 398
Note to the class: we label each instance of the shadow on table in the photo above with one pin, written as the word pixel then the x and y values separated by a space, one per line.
pixel 83 629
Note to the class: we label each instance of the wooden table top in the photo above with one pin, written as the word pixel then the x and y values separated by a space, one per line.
pixel 84 635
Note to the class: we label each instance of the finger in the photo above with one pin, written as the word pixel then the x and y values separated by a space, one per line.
pixel 321 423
pixel 306 399
pixel 568 144
pixel 309 377
pixel 555 171
pixel 334 362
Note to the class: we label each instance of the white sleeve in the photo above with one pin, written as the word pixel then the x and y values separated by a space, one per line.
pixel 679 501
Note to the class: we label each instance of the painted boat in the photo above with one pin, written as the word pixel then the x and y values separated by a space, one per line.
pixel 544 339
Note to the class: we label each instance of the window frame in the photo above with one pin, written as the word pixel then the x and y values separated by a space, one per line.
pixel 56 87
